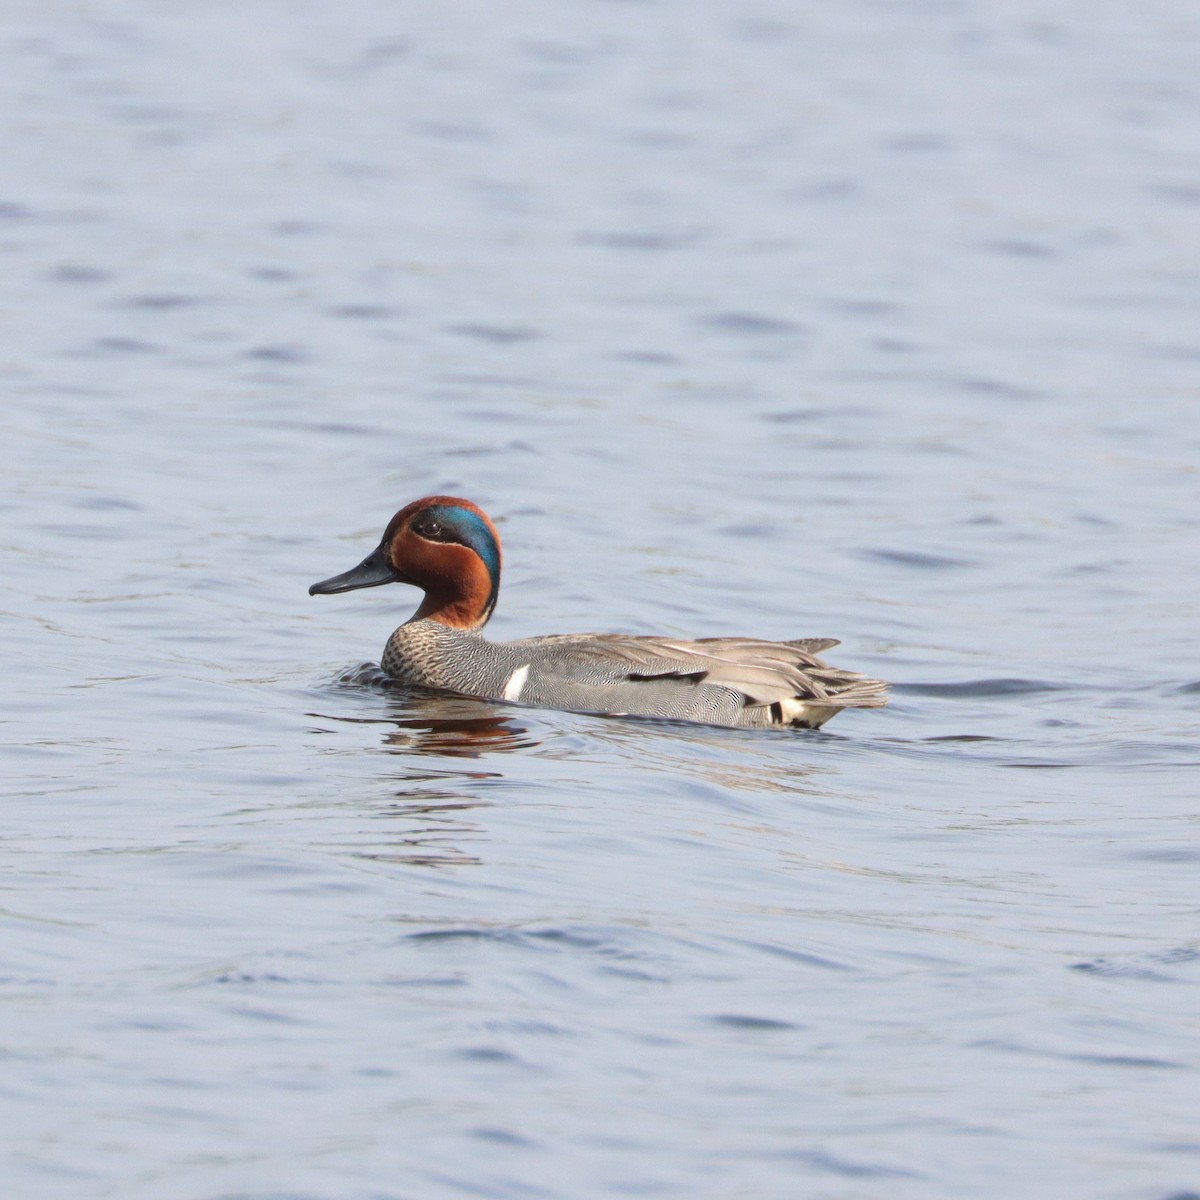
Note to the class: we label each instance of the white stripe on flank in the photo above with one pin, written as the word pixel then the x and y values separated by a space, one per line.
pixel 516 684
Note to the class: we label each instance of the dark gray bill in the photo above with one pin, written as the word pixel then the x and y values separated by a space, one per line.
pixel 373 571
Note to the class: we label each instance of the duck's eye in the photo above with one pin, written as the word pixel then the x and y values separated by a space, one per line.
pixel 431 530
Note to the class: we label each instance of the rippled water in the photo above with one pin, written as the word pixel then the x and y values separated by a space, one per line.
pixel 866 320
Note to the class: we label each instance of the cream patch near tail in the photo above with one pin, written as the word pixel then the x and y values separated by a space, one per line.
pixel 805 712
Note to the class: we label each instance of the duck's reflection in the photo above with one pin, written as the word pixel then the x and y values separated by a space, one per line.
pixel 426 829
pixel 427 814
pixel 431 723
pixel 470 733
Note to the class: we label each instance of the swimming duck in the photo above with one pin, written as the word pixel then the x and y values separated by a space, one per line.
pixel 450 549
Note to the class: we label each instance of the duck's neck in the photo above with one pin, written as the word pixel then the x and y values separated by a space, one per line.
pixel 464 603
pixel 455 614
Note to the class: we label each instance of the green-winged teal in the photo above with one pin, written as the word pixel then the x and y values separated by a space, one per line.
pixel 450 549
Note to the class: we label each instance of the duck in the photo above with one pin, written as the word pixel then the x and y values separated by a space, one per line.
pixel 448 547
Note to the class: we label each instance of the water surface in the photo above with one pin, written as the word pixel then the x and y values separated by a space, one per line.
pixel 863 320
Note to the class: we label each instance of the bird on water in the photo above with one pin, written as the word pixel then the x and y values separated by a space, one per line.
pixel 449 548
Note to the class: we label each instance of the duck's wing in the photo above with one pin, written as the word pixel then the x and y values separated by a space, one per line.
pixel 762 672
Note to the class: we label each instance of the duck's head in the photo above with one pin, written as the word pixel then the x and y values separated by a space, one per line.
pixel 443 545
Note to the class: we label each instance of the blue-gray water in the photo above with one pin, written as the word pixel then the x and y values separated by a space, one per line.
pixel 869 320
